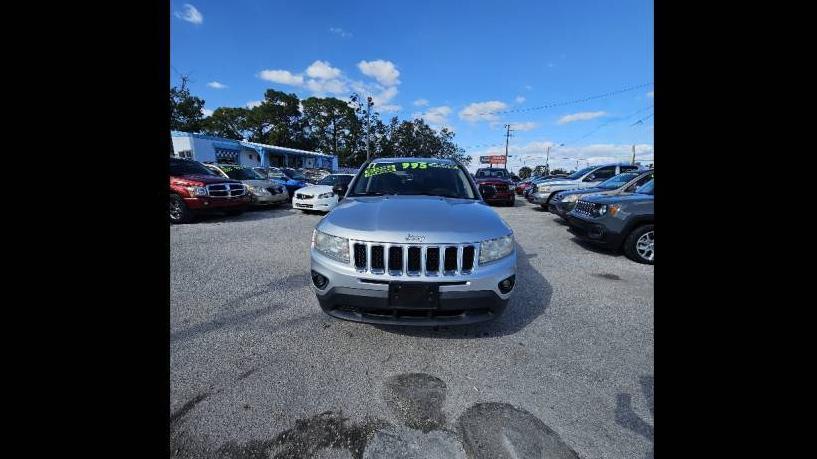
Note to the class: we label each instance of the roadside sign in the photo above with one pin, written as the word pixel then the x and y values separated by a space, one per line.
pixel 492 159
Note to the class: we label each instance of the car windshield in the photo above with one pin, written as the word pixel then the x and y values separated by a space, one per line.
pixel 334 179
pixel 647 188
pixel 618 181
pixel 486 173
pixel 186 167
pixel 423 177
pixel 578 174
pixel 294 175
pixel 241 173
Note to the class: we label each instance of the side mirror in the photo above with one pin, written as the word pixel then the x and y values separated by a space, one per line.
pixel 340 190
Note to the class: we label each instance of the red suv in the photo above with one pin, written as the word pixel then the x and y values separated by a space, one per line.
pixel 495 185
pixel 193 189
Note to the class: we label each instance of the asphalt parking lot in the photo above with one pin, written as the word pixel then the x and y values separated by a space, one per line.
pixel 257 370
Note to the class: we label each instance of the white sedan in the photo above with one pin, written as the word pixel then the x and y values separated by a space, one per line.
pixel 323 196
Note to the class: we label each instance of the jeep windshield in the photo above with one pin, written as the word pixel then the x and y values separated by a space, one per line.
pixel 618 181
pixel 187 167
pixel 409 178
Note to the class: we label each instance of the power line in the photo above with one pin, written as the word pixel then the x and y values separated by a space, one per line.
pixel 570 102
pixel 603 125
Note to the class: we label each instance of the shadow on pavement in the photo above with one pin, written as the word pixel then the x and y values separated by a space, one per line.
pixel 530 299
pixel 629 419
pixel 252 214
pixel 595 248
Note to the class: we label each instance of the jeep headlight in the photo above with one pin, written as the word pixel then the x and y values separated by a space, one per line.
pixel 333 247
pixel 571 198
pixel 494 249
pixel 600 209
pixel 326 195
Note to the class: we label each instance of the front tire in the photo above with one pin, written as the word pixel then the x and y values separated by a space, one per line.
pixel 178 212
pixel 640 245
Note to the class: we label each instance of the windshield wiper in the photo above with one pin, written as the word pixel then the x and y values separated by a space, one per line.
pixel 368 193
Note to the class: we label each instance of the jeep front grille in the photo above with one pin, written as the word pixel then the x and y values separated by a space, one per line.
pixel 225 190
pixel 414 260
pixel 586 208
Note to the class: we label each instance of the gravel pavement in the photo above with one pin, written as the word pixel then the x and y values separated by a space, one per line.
pixel 257 370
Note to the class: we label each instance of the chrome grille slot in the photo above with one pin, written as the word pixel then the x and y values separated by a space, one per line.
pixel 432 260
pixel 360 256
pixel 414 260
pixel 396 259
pixel 378 262
pixel 467 258
pixel 450 262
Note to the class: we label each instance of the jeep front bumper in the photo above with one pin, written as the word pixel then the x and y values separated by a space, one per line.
pixel 364 297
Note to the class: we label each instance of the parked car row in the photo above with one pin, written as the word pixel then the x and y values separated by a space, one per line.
pixel 618 213
pixel 197 188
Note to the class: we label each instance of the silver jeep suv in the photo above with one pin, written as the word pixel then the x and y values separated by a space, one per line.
pixel 413 242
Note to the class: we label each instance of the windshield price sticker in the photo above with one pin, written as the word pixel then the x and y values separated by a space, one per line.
pixel 381 168
pixel 373 170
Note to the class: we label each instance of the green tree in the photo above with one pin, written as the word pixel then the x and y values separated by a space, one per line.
pixel 524 172
pixel 227 122
pixel 185 109
pixel 332 126
pixel 276 121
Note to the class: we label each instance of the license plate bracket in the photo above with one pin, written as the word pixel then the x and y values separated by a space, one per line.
pixel 414 295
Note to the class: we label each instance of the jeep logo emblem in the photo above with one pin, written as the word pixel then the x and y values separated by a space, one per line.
pixel 415 238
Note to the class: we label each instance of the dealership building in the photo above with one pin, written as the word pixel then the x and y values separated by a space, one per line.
pixel 207 148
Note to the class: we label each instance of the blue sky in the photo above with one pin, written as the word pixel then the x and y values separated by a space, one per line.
pixel 452 63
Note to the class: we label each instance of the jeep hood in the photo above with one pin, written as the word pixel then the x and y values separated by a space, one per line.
pixel 623 197
pixel 392 218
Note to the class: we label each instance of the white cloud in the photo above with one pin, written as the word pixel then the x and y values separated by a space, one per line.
pixel 206 112
pixel 519 99
pixel 190 14
pixel 322 70
pixel 383 71
pixel 388 108
pixel 281 77
pixel 436 117
pixel 421 102
pixel 216 85
pixel 340 32
pixel 582 116
pixel 481 111
pixel 253 103
pixel 651 94
pixel 321 79
pixel 321 87
pixel 526 126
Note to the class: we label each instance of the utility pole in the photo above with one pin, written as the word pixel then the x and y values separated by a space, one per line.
pixel 507 139
pixel 633 162
pixel 547 162
pixel 369 105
